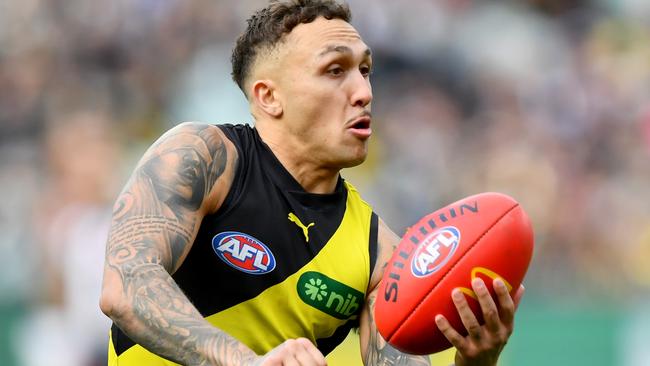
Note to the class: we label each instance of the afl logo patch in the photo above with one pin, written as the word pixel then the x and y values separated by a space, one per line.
pixel 243 252
pixel 435 251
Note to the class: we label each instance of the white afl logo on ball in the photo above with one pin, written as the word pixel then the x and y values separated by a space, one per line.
pixel 435 251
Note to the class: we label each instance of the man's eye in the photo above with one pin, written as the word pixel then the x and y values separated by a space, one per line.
pixel 365 70
pixel 335 71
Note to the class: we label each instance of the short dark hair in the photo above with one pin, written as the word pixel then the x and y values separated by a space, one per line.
pixel 267 26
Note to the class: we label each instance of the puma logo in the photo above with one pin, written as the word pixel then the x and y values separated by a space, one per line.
pixel 305 229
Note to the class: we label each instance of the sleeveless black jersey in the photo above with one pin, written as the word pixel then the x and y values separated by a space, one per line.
pixel 274 262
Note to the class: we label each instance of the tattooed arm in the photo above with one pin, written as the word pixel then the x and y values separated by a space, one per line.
pixel 183 176
pixel 375 351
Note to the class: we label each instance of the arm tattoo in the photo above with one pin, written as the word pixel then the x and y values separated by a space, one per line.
pixel 380 353
pixel 155 221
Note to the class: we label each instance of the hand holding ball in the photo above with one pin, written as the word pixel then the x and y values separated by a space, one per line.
pixel 484 236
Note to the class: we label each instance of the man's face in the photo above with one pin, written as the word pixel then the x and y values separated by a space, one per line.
pixel 325 90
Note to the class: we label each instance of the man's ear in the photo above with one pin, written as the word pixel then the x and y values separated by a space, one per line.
pixel 265 96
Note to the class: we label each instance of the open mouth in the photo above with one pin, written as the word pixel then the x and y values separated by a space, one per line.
pixel 360 126
pixel 362 123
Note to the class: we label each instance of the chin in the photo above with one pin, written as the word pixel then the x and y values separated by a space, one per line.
pixel 348 156
pixel 354 161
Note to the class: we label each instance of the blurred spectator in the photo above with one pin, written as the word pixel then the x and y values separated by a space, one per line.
pixel 72 216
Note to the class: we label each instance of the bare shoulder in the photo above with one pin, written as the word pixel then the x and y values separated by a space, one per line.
pixel 199 159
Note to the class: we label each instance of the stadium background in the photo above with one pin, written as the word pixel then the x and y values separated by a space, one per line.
pixel 546 100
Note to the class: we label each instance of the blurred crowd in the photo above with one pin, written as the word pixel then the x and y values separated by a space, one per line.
pixel 545 100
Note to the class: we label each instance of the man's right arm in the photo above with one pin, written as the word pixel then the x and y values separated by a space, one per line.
pixel 183 176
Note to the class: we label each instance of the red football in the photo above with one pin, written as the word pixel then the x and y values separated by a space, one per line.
pixel 487 235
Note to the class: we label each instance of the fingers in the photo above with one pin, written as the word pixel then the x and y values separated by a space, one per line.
pixel 483 342
pixel 495 316
pixel 518 295
pixel 467 317
pixel 314 352
pixel 488 307
pixel 295 352
pixel 449 332
pixel 506 304
pixel 291 361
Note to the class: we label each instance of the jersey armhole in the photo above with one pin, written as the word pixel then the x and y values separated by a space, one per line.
pixel 234 193
pixel 372 243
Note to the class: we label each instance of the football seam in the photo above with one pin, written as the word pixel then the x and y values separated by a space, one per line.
pixel 448 271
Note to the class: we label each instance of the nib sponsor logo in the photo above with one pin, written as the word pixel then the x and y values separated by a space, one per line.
pixel 328 295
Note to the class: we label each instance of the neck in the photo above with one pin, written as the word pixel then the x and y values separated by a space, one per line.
pixel 298 160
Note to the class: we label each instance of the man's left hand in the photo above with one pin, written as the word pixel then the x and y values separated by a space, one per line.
pixel 484 343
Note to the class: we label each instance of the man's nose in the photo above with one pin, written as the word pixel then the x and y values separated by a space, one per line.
pixel 362 91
